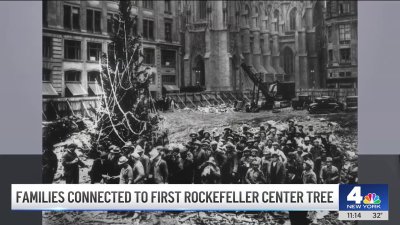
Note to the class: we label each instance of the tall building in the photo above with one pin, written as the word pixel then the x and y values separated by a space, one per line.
pixel 341 25
pixel 76 32
pixel 280 39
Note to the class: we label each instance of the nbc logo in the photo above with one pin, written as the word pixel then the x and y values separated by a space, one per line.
pixel 371 198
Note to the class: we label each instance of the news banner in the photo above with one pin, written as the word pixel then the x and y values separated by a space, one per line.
pixel 354 202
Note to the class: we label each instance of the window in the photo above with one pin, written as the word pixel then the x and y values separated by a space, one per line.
pixel 134 26
pixel 93 77
pixel 149 56
pixel 47 47
pixel 110 50
pixel 344 8
pixel 345 55
pixel 292 21
pixel 276 17
pixel 330 55
pixel 110 23
pixel 153 78
pixel 168 79
pixel 72 76
pixel 46 76
pixel 246 15
pixel 348 74
pixel 329 34
pixel 168 7
pixel 93 51
pixel 168 58
pixel 251 44
pixel 148 29
pixel 93 21
pixel 202 9
pixel 341 74
pixel 344 34
pixel 255 18
pixel 72 49
pixel 71 17
pixel 148 4
pixel 168 30
pixel 44 12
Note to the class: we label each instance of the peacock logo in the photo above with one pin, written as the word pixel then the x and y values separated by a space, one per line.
pixel 372 198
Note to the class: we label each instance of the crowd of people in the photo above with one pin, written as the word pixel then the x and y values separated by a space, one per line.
pixel 249 155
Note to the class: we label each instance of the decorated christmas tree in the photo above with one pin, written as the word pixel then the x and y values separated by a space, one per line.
pixel 127 111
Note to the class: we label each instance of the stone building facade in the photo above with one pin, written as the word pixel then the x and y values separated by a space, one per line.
pixel 341 38
pixel 76 32
pixel 282 40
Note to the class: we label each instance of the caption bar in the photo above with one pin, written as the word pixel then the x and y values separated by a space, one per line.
pixel 189 197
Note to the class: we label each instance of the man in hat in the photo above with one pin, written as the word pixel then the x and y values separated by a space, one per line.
pixel 272 134
pixel 49 164
pixel 199 157
pixel 244 164
pixel 254 156
pixel 307 144
pixel 265 163
pixel 138 169
pixel 282 156
pixel 288 147
pixel 71 163
pixel 301 132
pixel 329 173
pixel 310 132
pixel 316 152
pixel 211 173
pixel 126 175
pixel 229 165
pixel 185 173
pixel 214 146
pixel 294 169
pixel 207 137
pixel 200 134
pixel 308 175
pixel 268 147
pixel 254 175
pixel 172 161
pixel 298 140
pixel 111 166
pixel 193 138
pixel 145 160
pixel 227 132
pixel 98 169
pixel 337 156
pixel 127 149
pixel 276 171
pixel 158 167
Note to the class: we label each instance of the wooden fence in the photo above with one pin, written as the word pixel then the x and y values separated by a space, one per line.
pixel 86 106
pixel 339 93
pixel 208 98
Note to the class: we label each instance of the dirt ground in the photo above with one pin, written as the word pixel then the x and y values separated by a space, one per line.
pixel 180 124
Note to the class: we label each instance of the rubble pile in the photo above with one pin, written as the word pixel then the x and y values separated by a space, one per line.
pixel 222 108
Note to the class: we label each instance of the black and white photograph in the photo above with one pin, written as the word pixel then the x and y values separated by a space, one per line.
pixel 199 92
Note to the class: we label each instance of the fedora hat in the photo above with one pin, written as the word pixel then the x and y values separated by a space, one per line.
pixel 122 160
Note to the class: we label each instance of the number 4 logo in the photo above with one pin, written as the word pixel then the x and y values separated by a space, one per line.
pixel 355 195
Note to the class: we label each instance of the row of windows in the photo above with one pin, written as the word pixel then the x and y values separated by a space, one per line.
pixel 341 8
pixel 93 22
pixel 340 74
pixel 72 50
pixel 345 55
pixel 73 76
pixel 344 34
